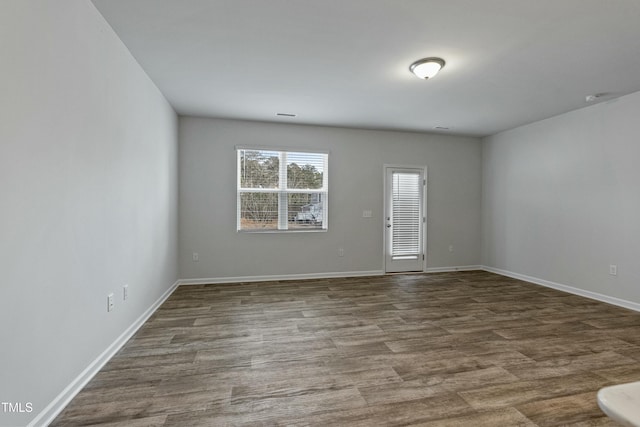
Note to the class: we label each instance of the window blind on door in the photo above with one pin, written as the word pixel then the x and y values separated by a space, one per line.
pixel 406 192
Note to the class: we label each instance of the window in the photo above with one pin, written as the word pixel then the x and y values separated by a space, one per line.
pixel 282 190
pixel 406 191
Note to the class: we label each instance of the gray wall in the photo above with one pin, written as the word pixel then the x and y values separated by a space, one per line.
pixel 208 199
pixel 88 187
pixel 561 199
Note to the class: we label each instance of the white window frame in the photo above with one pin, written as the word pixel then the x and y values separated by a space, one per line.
pixel 282 191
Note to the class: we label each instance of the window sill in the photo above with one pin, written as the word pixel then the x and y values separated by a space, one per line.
pixel 281 231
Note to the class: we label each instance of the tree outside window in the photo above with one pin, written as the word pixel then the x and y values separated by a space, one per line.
pixel 282 190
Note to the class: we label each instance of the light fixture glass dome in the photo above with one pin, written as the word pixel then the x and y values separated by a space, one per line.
pixel 427 68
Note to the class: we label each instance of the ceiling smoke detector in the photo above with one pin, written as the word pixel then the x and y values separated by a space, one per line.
pixel 594 97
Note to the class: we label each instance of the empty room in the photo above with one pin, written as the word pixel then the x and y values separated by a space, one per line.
pixel 312 213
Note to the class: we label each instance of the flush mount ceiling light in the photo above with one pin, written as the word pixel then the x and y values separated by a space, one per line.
pixel 427 68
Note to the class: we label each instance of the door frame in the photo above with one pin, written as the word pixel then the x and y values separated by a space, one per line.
pixel 385 167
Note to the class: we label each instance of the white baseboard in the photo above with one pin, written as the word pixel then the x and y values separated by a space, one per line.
pixel 56 406
pixel 271 278
pixel 453 269
pixel 569 289
pixel 306 276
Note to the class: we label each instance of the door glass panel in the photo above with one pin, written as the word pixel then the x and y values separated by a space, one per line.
pixel 406 217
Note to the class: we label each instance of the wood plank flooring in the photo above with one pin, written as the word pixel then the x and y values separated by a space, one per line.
pixel 450 349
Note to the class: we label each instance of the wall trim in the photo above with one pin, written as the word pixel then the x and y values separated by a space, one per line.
pixel 566 288
pixel 273 278
pixel 57 405
pixel 454 269
pixel 306 276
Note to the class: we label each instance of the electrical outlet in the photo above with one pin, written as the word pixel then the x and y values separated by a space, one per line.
pixel 367 214
pixel 341 252
pixel 613 270
pixel 196 257
pixel 125 292
pixel 109 302
pixel 450 248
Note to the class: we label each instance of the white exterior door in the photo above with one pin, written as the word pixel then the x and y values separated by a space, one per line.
pixel 404 219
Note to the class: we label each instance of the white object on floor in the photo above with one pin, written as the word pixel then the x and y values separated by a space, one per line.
pixel 621 403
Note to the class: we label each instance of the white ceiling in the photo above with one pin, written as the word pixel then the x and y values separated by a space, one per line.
pixel 346 62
